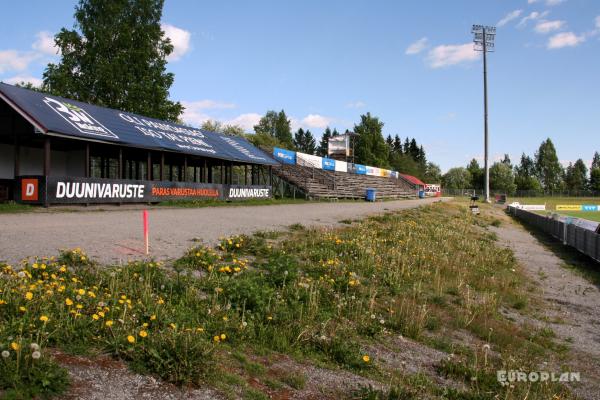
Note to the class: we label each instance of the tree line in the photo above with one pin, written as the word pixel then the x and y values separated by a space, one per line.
pixel 542 173
pixel 370 147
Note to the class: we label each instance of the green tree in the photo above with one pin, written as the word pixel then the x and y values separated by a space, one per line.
pixel 433 173
pixel 116 57
pixel 502 178
pixel 506 160
pixel 477 175
pixel 276 125
pixel 457 178
pixel 525 176
pixel 216 126
pixel 576 176
pixel 370 147
pixel 548 168
pixel 397 144
pixel 595 161
pixel 595 180
pixel 322 149
pixel 305 141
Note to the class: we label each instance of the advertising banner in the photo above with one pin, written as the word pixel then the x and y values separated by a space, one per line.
pixel 338 145
pixel 341 166
pixel 285 156
pixel 65 190
pixel 329 164
pixel 590 207
pixel 308 160
pixel 568 207
pixel 373 171
pixel 359 169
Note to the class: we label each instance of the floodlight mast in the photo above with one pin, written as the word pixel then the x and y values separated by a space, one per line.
pixel 483 38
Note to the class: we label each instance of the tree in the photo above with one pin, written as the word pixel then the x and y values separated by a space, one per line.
pixel 456 178
pixel 525 176
pixel 595 179
pixel 477 174
pixel 305 141
pixel 433 173
pixel 370 147
pixel 390 142
pixel 277 126
pixel 576 176
pixel 324 143
pixel 548 168
pixel 406 146
pixel 506 160
pixel 218 127
pixel 116 57
pixel 413 150
pixel 397 144
pixel 502 178
pixel 595 161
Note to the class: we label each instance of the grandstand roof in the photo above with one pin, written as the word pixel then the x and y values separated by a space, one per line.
pixel 413 179
pixel 57 116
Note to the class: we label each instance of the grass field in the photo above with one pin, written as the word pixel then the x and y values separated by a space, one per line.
pixel 332 298
pixel 552 202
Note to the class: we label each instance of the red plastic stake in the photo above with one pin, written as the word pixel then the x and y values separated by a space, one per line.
pixel 145 217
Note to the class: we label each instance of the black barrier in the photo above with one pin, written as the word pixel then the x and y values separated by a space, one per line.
pixel 584 240
pixel 68 190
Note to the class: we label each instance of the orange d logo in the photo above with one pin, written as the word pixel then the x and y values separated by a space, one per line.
pixel 29 189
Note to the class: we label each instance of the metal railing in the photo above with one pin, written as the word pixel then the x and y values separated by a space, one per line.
pixel 584 240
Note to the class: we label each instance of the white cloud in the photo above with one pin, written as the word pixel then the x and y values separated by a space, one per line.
pixel 316 121
pixel 45 44
pixel 531 1
pixel 534 15
pixel 598 22
pixel 549 26
pixel 180 39
pixel 452 54
pixel 356 104
pixel 565 39
pixel 554 2
pixel 23 79
pixel 246 121
pixel 417 47
pixel 509 17
pixel 13 60
pixel 195 114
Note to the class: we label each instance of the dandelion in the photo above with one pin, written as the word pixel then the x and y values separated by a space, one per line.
pixel 216 338
pixel 29 295
pixel 152 317
pixel 109 323
pixel 223 336
pixel 5 354
pixel 68 302
pixel 36 355
pixel 143 334
pixel 44 318
pixel 34 346
pixel 131 339
pixel 15 346
pixel 95 317
pixel 22 309
pixel 81 292
pixel 366 358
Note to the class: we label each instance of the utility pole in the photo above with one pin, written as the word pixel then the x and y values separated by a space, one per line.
pixel 483 38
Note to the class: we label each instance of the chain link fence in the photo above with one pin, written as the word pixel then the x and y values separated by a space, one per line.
pixel 584 240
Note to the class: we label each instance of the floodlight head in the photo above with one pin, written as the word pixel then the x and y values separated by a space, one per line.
pixel 483 33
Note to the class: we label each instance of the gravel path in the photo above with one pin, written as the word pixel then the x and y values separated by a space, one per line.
pixel 116 235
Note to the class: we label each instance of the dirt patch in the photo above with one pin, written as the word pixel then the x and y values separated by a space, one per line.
pixel 571 303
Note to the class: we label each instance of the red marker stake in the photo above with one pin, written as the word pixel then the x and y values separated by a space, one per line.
pixel 145 218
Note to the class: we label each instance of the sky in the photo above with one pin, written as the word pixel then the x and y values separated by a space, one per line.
pixel 410 63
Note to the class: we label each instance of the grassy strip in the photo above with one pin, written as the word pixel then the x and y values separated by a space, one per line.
pixel 325 296
pixel 12 207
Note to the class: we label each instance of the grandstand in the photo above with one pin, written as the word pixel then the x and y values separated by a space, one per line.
pixel 323 184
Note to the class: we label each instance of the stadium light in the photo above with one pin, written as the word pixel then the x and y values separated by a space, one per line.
pixel 483 39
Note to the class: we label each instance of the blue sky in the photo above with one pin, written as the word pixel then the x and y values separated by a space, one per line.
pixel 409 63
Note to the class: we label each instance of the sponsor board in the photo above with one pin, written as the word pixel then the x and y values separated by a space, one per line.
pixel 58 190
pixel 568 207
pixel 590 207
pixel 285 156
pixel 328 164
pixel 533 207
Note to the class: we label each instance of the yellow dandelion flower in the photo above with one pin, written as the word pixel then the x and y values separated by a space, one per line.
pixel 22 309
pixel 15 346
pixel 44 318
pixel 131 339
pixel 81 292
pixel 143 334
pixel 366 358
pixel 223 336
pixel 109 323
pixel 101 314
pixel 152 317
pixel 79 306
pixel 173 326
pixel 216 338
pixel 68 302
pixel 95 317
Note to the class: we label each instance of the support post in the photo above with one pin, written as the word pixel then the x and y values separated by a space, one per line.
pixel 149 166
pixel 86 173
pixel 246 174
pixel 47 152
pixel 485 119
pixel 120 175
pixel 222 173
pixel 270 176
pixel 184 174
pixel 162 166
pixel 17 167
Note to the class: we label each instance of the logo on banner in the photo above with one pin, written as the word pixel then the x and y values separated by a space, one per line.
pixel 29 189
pixel 248 193
pixel 79 118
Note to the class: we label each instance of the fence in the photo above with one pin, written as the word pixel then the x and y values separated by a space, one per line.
pixel 584 240
pixel 522 193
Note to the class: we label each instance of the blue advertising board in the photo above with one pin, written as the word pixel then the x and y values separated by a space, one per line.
pixel 328 164
pixel 285 156
pixel 360 169
pixel 589 207
pixel 53 115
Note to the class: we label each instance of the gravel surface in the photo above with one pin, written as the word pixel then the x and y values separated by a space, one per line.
pixel 116 235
